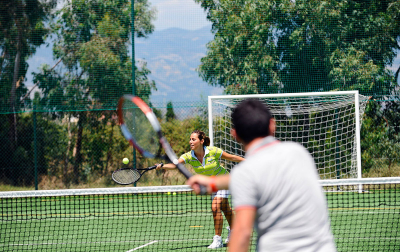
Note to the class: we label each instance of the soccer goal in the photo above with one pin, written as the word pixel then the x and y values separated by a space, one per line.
pixel 326 123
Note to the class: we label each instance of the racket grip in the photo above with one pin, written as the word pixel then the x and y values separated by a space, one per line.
pixel 184 171
pixel 203 190
pixel 187 174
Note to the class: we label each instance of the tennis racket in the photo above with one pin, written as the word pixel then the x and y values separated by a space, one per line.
pixel 140 127
pixel 126 176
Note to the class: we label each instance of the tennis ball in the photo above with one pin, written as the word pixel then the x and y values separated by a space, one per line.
pixel 125 161
pixel 168 193
pixel 174 193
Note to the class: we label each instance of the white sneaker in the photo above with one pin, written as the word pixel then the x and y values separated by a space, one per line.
pixel 217 242
pixel 229 234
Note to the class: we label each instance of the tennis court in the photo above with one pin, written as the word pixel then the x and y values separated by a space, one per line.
pixel 127 222
pixel 157 221
pixel 369 221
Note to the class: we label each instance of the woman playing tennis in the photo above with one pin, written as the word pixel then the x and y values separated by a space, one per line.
pixel 205 160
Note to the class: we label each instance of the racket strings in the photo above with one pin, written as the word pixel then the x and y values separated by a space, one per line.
pixel 140 128
pixel 126 176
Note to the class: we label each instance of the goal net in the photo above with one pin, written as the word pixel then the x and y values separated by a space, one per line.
pixel 326 123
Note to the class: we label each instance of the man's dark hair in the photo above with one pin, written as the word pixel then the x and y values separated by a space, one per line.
pixel 250 119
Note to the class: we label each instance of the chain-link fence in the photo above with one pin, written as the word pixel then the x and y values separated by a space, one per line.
pixel 64 64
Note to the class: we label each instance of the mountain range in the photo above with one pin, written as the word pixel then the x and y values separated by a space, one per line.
pixel 172 56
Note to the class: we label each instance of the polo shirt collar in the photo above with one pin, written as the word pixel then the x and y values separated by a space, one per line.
pixel 206 151
pixel 264 141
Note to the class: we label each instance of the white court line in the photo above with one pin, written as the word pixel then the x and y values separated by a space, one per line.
pixel 55 219
pixel 101 242
pixel 147 244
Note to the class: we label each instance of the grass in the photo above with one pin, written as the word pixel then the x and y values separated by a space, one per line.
pixel 6 187
pixel 381 169
pixel 151 178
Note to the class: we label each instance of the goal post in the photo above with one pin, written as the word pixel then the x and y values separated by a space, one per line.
pixel 326 123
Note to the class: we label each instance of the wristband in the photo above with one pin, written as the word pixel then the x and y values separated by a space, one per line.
pixel 212 184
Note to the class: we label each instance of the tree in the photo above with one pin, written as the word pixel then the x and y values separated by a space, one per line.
pixel 380 134
pixel 91 41
pixel 170 115
pixel 301 46
pixel 22 30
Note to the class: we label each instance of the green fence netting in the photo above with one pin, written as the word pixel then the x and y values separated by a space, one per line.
pixel 64 64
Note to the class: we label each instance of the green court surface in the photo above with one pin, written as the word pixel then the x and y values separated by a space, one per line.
pixel 182 222
pixel 368 221
pixel 156 222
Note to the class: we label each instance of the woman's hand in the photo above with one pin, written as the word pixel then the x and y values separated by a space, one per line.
pixel 159 166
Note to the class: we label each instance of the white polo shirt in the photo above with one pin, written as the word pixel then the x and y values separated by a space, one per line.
pixel 280 180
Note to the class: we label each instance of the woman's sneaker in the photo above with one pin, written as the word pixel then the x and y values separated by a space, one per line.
pixel 217 242
pixel 229 235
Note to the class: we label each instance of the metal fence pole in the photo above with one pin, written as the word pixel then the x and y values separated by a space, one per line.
pixel 35 145
pixel 133 67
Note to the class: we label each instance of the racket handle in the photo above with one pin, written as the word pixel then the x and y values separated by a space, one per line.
pixel 203 190
pixel 183 170
pixel 187 174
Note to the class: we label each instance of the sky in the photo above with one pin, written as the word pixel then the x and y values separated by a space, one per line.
pixel 184 14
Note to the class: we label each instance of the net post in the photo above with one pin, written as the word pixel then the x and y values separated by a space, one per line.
pixel 210 122
pixel 337 144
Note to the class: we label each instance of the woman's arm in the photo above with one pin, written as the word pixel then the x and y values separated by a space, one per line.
pixel 231 157
pixel 169 166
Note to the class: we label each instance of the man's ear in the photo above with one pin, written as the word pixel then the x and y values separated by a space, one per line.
pixel 272 127
pixel 234 134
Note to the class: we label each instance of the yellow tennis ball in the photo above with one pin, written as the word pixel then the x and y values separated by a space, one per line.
pixel 125 161
pixel 174 193
pixel 168 193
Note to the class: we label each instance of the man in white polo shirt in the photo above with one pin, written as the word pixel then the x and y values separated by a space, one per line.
pixel 275 189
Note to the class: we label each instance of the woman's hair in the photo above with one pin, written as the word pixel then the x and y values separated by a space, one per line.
pixel 201 135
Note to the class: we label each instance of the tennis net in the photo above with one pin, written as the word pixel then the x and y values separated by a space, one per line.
pixel 364 213
pixel 365 216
